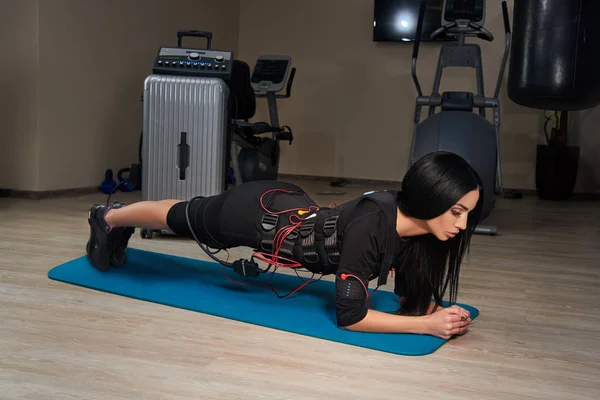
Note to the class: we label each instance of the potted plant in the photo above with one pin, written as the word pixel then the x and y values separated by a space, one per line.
pixel 557 162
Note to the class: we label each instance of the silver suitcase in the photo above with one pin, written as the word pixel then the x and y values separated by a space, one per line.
pixel 184 139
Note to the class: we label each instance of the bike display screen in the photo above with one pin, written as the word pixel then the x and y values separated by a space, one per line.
pixel 471 10
pixel 270 70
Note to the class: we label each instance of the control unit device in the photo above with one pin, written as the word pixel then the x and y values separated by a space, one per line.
pixel 193 62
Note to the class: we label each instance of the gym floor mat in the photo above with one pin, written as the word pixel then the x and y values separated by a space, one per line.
pixel 208 287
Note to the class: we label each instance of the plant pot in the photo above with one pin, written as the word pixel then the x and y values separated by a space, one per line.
pixel 556 171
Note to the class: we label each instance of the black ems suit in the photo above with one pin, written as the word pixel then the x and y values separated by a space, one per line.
pixel 355 240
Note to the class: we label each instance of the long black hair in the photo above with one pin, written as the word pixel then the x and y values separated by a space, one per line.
pixel 431 186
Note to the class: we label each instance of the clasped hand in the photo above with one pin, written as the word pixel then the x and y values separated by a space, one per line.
pixel 447 322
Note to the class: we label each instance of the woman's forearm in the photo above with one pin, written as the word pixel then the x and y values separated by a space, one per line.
pixel 377 321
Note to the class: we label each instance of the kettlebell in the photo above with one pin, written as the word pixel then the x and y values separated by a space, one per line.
pixel 108 184
pixel 124 184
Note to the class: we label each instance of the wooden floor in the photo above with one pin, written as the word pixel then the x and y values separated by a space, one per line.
pixel 538 335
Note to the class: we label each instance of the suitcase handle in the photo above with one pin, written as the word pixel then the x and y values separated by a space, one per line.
pixel 183 155
pixel 182 34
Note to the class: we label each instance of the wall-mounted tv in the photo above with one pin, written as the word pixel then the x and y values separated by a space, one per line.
pixel 396 20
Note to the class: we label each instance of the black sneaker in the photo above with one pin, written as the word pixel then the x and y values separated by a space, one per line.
pixel 98 249
pixel 118 239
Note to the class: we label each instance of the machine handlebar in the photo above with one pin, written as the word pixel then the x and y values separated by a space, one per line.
pixel 476 30
pixel 506 48
pixel 482 33
pixel 288 88
pixel 505 15
pixel 441 29
pixel 422 8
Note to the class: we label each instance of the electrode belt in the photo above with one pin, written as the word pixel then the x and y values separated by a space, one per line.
pixel 307 233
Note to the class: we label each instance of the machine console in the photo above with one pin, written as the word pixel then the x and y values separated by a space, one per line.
pixel 270 73
pixel 193 62
pixel 463 12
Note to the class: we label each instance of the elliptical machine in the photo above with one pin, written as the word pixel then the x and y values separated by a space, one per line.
pixel 456 128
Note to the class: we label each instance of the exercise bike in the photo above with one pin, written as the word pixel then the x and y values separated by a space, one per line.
pixel 258 158
pixel 456 128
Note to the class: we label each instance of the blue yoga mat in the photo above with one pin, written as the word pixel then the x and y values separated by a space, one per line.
pixel 203 287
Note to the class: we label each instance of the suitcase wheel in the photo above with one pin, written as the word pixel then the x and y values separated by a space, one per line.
pixel 146 233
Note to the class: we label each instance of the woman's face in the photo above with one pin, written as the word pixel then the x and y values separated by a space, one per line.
pixel 449 224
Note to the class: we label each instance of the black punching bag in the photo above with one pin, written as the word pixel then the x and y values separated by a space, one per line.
pixel 553 63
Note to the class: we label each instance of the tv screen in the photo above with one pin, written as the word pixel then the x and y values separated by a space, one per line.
pixel 396 20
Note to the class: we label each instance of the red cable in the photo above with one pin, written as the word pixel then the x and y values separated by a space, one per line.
pixel 282 233
pixel 344 276
pixel 279 239
pixel 311 208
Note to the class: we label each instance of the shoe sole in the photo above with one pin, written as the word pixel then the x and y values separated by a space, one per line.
pixel 119 255
pixel 95 257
